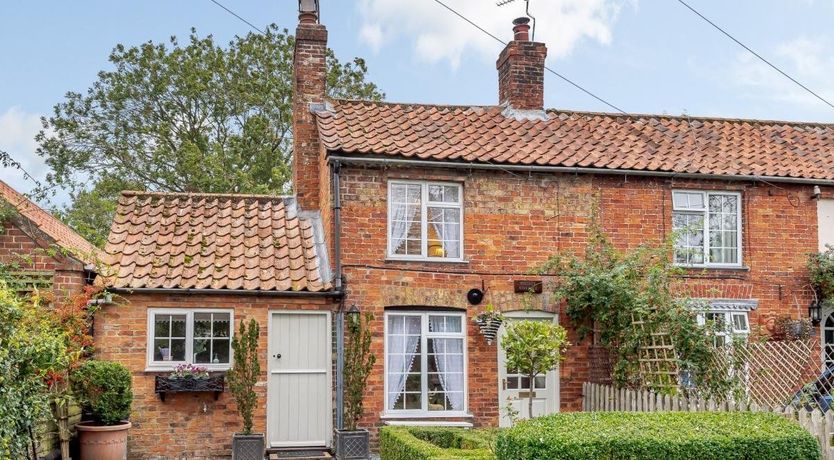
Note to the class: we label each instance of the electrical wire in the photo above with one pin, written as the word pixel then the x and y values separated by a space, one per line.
pixel 564 78
pixel 759 56
pixel 238 16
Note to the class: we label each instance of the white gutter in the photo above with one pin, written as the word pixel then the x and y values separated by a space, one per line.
pixel 573 170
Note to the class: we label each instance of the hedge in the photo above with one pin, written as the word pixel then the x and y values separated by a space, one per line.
pixel 658 435
pixel 427 443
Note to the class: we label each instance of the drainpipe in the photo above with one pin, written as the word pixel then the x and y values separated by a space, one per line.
pixel 335 168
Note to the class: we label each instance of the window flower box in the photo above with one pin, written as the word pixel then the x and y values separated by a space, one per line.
pixel 213 384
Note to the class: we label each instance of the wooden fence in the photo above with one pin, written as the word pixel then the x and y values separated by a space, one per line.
pixel 605 398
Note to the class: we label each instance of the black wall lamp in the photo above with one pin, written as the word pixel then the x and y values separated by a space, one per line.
pixel 815 312
pixel 353 315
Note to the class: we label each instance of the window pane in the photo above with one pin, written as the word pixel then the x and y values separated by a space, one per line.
pixel 220 324
pixel 162 326
pixel 202 325
pixel 202 351
pixel 221 351
pixel 740 322
pixel 688 200
pixel 161 350
pixel 541 382
pixel 413 401
pixel 443 193
pixel 444 232
pixel 178 326
pixel 178 349
pixel 438 323
pixel 689 245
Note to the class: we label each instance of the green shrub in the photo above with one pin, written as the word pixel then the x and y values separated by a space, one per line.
pixel 659 435
pixel 103 389
pixel 413 443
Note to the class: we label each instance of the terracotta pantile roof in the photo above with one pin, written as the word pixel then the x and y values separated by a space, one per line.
pixel 209 241
pixel 63 236
pixel 577 139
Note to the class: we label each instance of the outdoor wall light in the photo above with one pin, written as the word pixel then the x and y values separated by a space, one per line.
pixel 353 314
pixel 815 312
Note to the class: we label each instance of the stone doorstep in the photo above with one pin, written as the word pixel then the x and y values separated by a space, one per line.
pixel 298 454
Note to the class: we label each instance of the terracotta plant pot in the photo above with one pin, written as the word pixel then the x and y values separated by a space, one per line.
pixel 103 442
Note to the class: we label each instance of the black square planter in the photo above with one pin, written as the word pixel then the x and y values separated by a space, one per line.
pixel 248 447
pixel 351 444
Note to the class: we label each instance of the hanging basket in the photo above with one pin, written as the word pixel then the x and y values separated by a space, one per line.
pixel 489 326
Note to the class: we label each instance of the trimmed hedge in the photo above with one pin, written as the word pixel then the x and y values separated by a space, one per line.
pixel 428 443
pixel 658 435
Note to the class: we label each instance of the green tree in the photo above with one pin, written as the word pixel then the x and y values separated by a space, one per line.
pixel 534 348
pixel 190 117
pixel 359 361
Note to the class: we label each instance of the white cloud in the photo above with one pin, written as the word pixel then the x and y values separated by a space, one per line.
pixel 439 35
pixel 805 59
pixel 17 137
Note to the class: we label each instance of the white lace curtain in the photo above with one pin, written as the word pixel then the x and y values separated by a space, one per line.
pixel 402 350
pixel 402 216
pixel 448 230
pixel 448 358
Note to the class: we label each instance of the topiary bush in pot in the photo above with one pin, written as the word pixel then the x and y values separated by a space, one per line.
pixel 104 392
pixel 242 378
pixel 352 442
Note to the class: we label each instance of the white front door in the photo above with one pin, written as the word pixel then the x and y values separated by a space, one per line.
pixel 299 388
pixel 514 389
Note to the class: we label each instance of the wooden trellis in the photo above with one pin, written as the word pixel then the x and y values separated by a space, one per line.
pixel 656 357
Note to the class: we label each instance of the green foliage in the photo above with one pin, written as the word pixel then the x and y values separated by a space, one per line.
pixel 245 371
pixel 103 389
pixel 7 212
pixel 413 443
pixel 821 271
pixel 534 348
pixel 182 117
pixel 657 435
pixel 608 289
pixel 359 361
pixel 30 350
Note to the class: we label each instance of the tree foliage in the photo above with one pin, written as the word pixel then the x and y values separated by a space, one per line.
pixel 245 371
pixel 534 348
pixel 103 389
pixel 182 117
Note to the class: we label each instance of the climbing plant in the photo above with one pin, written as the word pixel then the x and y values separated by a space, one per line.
pixel 607 289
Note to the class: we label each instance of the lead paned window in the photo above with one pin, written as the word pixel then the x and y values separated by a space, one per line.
pixel 708 227
pixel 177 336
pixel 425 362
pixel 425 220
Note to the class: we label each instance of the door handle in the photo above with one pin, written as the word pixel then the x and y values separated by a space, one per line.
pixel 277 356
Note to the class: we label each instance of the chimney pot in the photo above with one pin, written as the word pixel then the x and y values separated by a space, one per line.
pixel 521 29
pixel 308 11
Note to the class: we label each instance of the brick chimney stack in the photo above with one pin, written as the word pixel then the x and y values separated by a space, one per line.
pixel 521 70
pixel 309 85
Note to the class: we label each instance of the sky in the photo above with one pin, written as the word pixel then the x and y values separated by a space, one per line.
pixel 644 56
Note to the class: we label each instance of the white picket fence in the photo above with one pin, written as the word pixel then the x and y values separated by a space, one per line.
pixel 606 398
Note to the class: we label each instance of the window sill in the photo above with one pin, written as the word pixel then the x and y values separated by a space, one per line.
pixel 738 268
pixel 428 260
pixel 392 416
pixel 158 369
pixel 429 423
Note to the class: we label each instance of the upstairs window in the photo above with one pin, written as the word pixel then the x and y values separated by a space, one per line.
pixel 425 220
pixel 708 226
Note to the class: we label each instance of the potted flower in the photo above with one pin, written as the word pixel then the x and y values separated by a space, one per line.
pixel 242 377
pixel 489 321
pixel 352 442
pixel 103 390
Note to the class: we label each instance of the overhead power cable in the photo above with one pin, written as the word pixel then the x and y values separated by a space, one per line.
pixel 238 16
pixel 564 78
pixel 757 55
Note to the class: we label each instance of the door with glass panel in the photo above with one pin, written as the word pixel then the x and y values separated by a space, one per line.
pixel 827 331
pixel 514 389
pixel 425 363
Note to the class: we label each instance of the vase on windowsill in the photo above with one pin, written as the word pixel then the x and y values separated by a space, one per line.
pixel 489 322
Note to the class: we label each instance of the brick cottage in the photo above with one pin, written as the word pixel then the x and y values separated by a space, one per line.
pixel 402 209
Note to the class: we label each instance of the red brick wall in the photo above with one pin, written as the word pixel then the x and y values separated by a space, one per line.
pixel 186 425
pixel 513 222
pixel 20 249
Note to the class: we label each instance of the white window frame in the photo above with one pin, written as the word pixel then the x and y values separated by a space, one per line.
pixel 424 219
pixel 153 366
pixel 706 194
pixel 729 315
pixel 424 357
